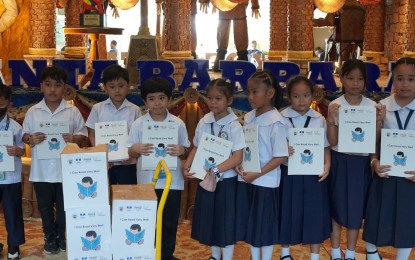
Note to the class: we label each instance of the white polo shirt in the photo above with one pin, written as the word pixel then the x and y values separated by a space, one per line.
pixel 343 102
pixel 50 170
pixel 16 175
pixel 105 111
pixel 135 137
pixel 390 121
pixel 229 126
pixel 272 142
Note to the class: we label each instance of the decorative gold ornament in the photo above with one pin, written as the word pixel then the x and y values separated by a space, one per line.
pixel 329 6
pixel 124 4
pixel 70 93
pixel 224 5
pixel 191 95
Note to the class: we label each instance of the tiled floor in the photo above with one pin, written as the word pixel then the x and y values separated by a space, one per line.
pixel 186 249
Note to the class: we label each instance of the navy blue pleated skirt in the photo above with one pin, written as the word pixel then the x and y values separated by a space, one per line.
pixel 349 181
pixel 305 211
pixel 257 211
pixel 390 214
pixel 213 221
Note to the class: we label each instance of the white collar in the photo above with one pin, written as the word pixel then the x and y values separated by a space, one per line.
pixel 265 119
pixel 210 118
pixel 391 105
pixel 289 112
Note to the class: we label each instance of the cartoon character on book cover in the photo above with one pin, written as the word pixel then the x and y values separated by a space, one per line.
pixel 247 154
pixel 113 145
pixel 88 188
pixel 91 241
pixel 358 135
pixel 209 163
pixel 54 144
pixel 134 235
pixel 399 159
pixel 306 157
pixel 161 150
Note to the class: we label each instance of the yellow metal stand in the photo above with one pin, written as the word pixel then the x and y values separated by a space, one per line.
pixel 160 165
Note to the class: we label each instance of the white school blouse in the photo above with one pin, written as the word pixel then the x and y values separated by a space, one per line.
pixel 50 170
pixel 16 175
pixel 136 137
pixel 105 111
pixel 272 142
pixel 390 121
pixel 316 121
pixel 343 102
pixel 229 125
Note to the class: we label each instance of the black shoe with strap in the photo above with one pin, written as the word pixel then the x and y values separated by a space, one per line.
pixel 372 253
pixel 287 257
pixel 212 258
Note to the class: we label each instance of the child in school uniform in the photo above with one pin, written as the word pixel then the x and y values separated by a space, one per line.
pixel 213 221
pixel 115 108
pixel 46 174
pixel 349 173
pixel 11 181
pixel 156 93
pixel 390 212
pixel 257 214
pixel 305 208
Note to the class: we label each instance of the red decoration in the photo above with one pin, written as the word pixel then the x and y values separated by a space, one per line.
pixel 369 2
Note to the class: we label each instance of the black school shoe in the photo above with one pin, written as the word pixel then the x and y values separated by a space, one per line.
pixel 51 247
pixel 14 253
pixel 61 242
pixel 287 257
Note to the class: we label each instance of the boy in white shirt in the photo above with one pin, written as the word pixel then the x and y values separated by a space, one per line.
pixel 46 174
pixel 156 93
pixel 115 108
pixel 11 181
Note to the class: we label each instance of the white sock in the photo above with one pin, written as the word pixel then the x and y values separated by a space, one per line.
pixel 336 253
pixel 255 253
pixel 267 252
pixel 228 252
pixel 403 253
pixel 314 256
pixel 285 251
pixel 216 252
pixel 371 248
pixel 349 254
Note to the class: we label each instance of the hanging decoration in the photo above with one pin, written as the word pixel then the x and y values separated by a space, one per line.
pixel 329 6
pixel 224 5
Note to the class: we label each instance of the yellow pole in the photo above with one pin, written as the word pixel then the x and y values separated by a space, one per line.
pixel 160 165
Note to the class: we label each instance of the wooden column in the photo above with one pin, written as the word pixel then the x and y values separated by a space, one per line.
pixel 176 35
pixel 300 29
pixel 374 35
pixel 72 10
pixel 278 29
pixel 396 23
pixel 42 34
pixel 410 48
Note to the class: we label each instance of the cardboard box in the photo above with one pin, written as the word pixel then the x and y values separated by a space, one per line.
pixel 89 233
pixel 134 210
pixel 84 176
